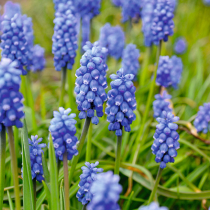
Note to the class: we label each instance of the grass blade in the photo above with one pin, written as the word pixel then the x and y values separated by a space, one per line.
pixel 45 170
pixel 10 201
pixel 62 207
pixel 47 192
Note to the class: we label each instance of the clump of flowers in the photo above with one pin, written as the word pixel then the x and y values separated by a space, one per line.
pixel 147 18
pixel 38 60
pixel 87 177
pixel 166 139
pixel 64 38
pixel 121 102
pixel 131 9
pixel 13 41
pixel 64 4
pixel 63 130
pixel 202 120
pixel 130 62
pixel 35 149
pixel 10 9
pixel 91 82
pixel 106 191
pixel 117 3
pixel 161 104
pixel 113 39
pixel 169 71
pixel 180 46
pixel 11 106
pixel 162 22
pixel 153 206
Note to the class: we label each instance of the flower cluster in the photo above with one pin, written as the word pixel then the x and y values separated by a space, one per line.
pixel 130 62
pixel 117 3
pixel 147 17
pixel 62 128
pixel 162 22
pixel 64 39
pixel 36 157
pixel 106 190
pixel 131 9
pixel 11 106
pixel 180 46
pixel 166 139
pixel 91 82
pixel 87 177
pixel 161 104
pixel 169 71
pixel 38 60
pixel 206 2
pixel 10 9
pixel 202 120
pixel 113 39
pixel 153 206
pixel 121 102
pixel 64 5
pixel 14 44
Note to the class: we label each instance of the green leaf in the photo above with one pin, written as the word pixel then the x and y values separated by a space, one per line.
pixel 62 206
pixel 53 177
pixel 47 192
pixel 45 170
pixel 2 164
pixel 28 198
pixel 127 205
pixel 40 199
pixel 10 201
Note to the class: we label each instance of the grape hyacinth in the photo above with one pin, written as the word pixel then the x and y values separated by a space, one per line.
pixel 65 5
pixel 36 157
pixel 147 14
pixel 153 206
pixel 117 3
pixel 64 38
pixel 131 9
pixel 130 62
pixel 180 46
pixel 11 106
pixel 161 104
pixel 10 9
pixel 169 71
pixel 206 2
pixel 14 43
pixel 38 60
pixel 91 82
pixel 87 177
pixel 121 102
pixel 113 39
pixel 62 128
pixel 162 22
pixel 106 192
pixel 202 119
pixel 166 139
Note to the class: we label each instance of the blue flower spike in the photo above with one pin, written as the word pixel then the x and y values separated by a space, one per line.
pixel 153 206
pixel 38 61
pixel 202 120
pixel 169 71
pixel 63 130
pixel 13 41
pixel 162 23
pixel 166 138
pixel 36 150
pixel 11 100
pixel 180 46
pixel 10 9
pixel 121 102
pixel 117 3
pixel 87 177
pixel 64 38
pixel 161 104
pixel 113 38
pixel 130 59
pixel 91 82
pixel 106 192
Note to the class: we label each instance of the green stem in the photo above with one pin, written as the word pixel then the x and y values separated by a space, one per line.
pixel 88 151
pixel 149 101
pixel 2 163
pixel 24 89
pixel 80 146
pixel 84 207
pixel 43 107
pixel 152 195
pixel 144 73
pixel 63 83
pixel 70 90
pixel 14 167
pixel 118 155
pixel 34 187
pixel 66 181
